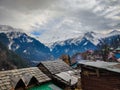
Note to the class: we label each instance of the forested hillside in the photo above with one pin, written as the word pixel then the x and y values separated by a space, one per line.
pixel 10 60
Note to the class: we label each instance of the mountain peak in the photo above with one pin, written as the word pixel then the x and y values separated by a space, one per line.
pixel 90 34
pixel 114 32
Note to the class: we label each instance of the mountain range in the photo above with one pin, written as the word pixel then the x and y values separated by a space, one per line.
pixel 33 50
pixel 27 47
pixel 86 41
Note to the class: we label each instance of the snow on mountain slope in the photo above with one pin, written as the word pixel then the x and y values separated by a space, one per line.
pixel 91 36
pixel 27 47
pixel 86 41
pixel 14 35
pixel 72 48
pixel 35 50
pixel 113 33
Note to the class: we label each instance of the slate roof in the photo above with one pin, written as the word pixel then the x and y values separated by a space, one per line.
pixel 67 77
pixel 15 81
pixel 6 77
pixel 117 48
pixel 56 66
pixel 110 66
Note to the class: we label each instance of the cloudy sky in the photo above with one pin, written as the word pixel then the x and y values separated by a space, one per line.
pixel 52 20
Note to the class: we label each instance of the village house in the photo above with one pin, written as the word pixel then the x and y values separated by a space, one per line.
pixel 60 72
pixel 22 79
pixel 100 75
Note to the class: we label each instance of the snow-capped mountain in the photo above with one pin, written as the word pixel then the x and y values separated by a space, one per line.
pixel 24 45
pixel 93 37
pixel 86 41
pixel 112 39
pixel 31 49
pixel 113 33
pixel 72 48
pixel 90 36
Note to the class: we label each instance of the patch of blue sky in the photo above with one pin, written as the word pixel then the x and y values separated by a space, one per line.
pixel 37 33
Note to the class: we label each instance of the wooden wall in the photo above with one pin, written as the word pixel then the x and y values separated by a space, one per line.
pixel 99 79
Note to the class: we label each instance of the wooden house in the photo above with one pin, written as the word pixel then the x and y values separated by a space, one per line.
pixel 53 67
pixel 17 83
pixel 117 50
pixel 100 75
pixel 21 79
pixel 60 72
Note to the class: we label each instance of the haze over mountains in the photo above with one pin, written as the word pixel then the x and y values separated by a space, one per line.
pixel 33 50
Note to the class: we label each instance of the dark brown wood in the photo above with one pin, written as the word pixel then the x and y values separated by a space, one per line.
pixel 44 70
pixel 99 79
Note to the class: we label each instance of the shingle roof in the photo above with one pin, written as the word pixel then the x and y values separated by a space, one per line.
pixel 27 79
pixel 15 80
pixel 67 77
pixel 110 66
pixel 56 66
pixel 117 48
pixel 6 81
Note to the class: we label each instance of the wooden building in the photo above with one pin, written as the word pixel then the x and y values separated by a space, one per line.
pixel 53 67
pixel 60 72
pixel 100 75
pixel 21 79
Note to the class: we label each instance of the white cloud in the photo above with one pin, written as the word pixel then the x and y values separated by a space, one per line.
pixel 60 19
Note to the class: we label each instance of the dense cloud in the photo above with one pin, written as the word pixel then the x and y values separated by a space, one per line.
pixel 53 20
